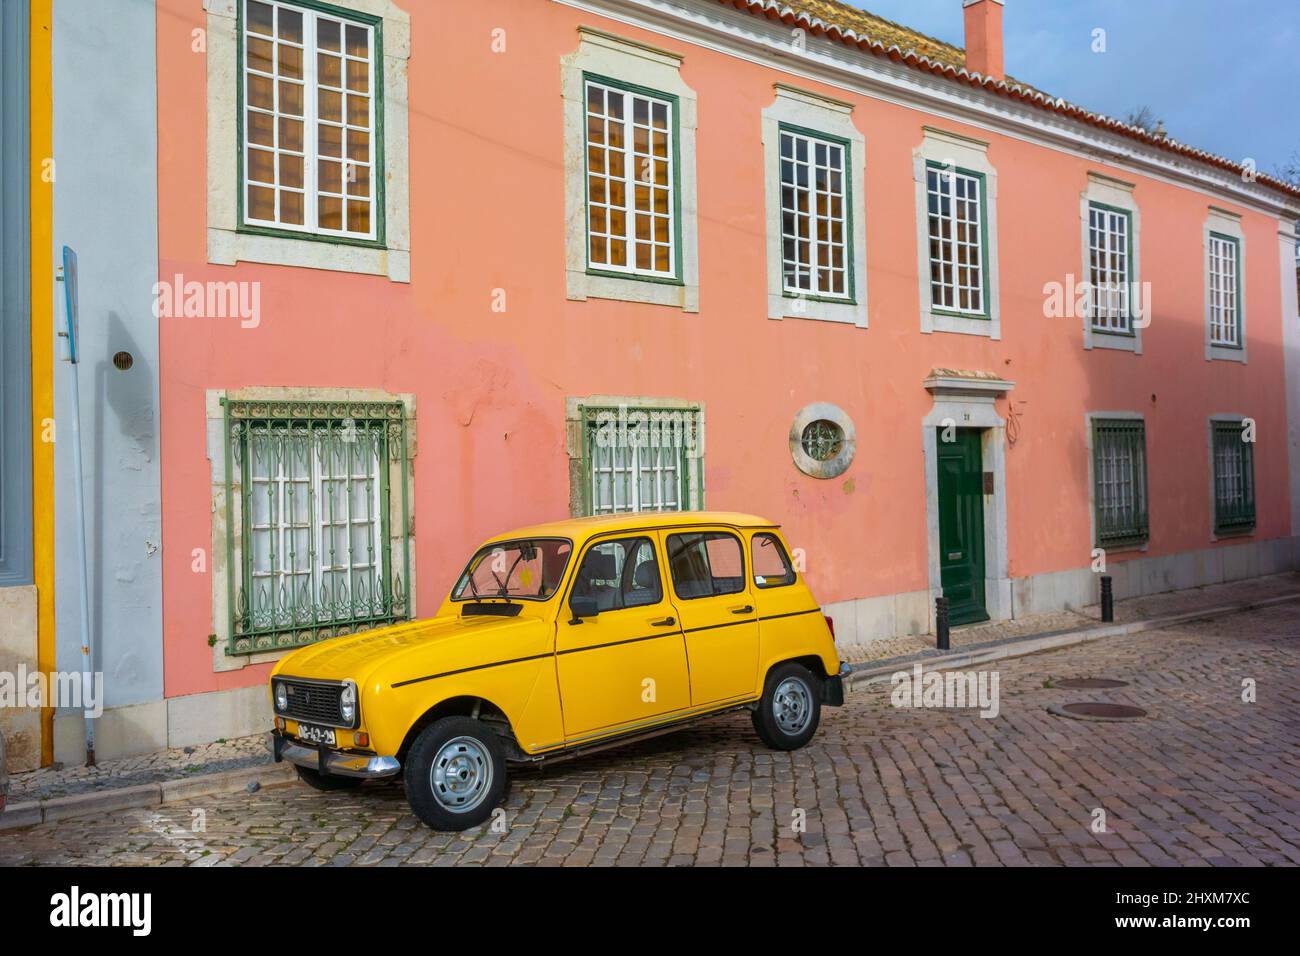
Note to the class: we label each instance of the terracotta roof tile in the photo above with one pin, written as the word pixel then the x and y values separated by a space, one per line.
pixel 880 37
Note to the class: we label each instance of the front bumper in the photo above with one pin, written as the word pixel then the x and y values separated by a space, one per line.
pixel 833 688
pixel 331 762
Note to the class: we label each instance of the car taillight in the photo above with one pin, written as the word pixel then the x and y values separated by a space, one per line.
pixel 831 624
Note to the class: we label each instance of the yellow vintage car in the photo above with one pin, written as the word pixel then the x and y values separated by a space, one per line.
pixel 557 640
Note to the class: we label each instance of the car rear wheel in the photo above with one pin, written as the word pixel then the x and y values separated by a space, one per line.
pixel 787 716
pixel 327 782
pixel 455 773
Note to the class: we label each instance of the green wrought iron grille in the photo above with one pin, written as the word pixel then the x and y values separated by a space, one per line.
pixel 638 459
pixel 1234 479
pixel 822 440
pixel 1120 481
pixel 323 545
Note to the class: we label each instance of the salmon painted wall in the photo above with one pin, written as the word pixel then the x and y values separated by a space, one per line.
pixel 487 212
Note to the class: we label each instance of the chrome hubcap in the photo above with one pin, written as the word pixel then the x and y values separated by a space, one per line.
pixel 461 774
pixel 792 706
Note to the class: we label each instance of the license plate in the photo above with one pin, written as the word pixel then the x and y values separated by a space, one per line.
pixel 315 735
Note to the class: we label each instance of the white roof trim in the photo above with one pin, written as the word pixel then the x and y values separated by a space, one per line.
pixel 711 25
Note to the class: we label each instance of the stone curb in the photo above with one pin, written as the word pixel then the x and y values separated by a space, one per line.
pixel 866 673
pixel 33 812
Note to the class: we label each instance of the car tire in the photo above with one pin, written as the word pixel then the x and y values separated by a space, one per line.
pixel 326 782
pixel 788 713
pixel 455 773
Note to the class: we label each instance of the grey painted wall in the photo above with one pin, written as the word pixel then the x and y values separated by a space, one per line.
pixel 106 208
pixel 15 317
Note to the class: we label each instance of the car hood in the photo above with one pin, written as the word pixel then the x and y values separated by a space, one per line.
pixel 416 649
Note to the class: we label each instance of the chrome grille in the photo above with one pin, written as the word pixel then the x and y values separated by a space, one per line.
pixel 313 703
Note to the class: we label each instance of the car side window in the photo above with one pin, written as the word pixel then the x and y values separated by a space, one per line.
pixel 705 564
pixel 619 574
pixel 772 567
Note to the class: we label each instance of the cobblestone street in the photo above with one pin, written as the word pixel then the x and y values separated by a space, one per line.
pixel 1204 779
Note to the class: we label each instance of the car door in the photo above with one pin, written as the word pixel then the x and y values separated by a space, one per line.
pixel 625 666
pixel 716 609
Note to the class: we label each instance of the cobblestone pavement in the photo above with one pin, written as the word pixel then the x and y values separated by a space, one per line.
pixel 1206 779
pixel 242 752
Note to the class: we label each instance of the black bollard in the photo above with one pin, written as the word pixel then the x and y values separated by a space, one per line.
pixel 1107 599
pixel 941 623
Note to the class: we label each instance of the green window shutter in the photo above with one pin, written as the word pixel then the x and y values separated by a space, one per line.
pixel 313 556
pixel 1234 479
pixel 1119 471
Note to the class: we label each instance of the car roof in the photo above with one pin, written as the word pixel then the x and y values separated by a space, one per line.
pixel 582 528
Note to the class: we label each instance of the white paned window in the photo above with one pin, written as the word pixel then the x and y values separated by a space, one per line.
pixel 638 461
pixel 309 110
pixel 630 182
pixel 1109 265
pixel 1225 324
pixel 315 530
pixel 814 233
pixel 955 202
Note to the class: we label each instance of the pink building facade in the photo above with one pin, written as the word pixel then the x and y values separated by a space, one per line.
pixel 423 266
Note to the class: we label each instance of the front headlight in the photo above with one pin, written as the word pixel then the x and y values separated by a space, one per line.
pixel 281 697
pixel 348 704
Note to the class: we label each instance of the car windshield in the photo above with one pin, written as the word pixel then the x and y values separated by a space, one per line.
pixel 528 569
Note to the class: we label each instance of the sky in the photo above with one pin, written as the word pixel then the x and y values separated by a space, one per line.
pixel 1224 75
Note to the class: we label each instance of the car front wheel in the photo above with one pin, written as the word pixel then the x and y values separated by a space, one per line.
pixel 787 716
pixel 455 773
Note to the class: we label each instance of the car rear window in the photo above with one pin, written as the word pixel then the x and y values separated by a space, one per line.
pixel 706 563
pixel 772 567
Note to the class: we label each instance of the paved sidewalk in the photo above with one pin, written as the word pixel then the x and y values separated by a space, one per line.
pixel 178 764
pixel 244 760
pixel 1145 608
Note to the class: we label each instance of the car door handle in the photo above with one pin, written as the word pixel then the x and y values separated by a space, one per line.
pixel 745 609
pixel 666 622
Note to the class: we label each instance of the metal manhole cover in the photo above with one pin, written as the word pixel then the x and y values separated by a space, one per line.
pixel 1097 710
pixel 1090 683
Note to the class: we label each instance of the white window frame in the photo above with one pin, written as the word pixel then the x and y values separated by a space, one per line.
pixel 811 114
pixel 944 183
pixel 1224 222
pixel 1225 288
pixel 1109 278
pixel 631 176
pixel 311 120
pixel 639 65
pixel 810 164
pixel 229 242
pixel 1105 190
pixel 953 151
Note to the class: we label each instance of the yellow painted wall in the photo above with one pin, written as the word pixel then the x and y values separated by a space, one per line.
pixel 42 200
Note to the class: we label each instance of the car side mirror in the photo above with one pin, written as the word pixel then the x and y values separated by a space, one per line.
pixel 583 607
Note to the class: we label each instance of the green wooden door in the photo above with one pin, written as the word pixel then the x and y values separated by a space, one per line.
pixel 961 525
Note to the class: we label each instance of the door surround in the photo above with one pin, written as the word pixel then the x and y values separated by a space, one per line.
pixel 966 400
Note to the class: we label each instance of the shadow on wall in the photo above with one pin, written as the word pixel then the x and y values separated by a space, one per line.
pixel 124 390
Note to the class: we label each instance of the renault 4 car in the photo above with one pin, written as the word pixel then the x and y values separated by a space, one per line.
pixel 557 640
